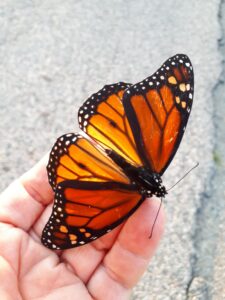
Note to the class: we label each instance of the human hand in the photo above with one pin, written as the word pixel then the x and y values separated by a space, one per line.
pixel 105 269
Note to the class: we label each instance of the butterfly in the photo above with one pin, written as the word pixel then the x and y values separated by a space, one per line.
pixel 130 134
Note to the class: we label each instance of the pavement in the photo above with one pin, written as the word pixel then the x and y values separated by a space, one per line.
pixel 55 54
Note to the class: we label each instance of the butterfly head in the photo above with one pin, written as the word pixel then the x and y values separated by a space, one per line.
pixel 151 184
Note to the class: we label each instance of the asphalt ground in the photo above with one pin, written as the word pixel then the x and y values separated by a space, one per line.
pixel 54 55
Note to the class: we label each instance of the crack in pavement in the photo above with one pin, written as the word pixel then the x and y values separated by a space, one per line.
pixel 209 215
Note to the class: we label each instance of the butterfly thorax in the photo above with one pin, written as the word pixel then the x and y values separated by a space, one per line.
pixel 147 182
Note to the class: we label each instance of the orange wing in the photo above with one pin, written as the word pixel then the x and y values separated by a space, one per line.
pixel 73 157
pixel 92 194
pixel 158 109
pixel 103 118
pixel 84 211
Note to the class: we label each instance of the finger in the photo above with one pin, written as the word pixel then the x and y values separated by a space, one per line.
pixel 24 200
pixel 124 264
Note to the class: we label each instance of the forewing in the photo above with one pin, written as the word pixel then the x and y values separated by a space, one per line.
pixel 73 157
pixel 102 117
pixel 158 109
pixel 84 211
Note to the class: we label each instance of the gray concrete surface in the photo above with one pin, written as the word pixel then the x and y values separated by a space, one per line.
pixel 54 54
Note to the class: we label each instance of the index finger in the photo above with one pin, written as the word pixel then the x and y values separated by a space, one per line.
pixel 25 199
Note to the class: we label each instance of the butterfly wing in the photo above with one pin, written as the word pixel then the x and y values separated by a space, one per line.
pixel 103 118
pixel 73 157
pixel 158 109
pixel 84 211
pixel 92 194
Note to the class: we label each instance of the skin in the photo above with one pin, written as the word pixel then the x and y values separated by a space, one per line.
pixel 108 268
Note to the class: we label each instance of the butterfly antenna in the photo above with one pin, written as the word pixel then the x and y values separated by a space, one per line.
pixel 183 177
pixel 156 217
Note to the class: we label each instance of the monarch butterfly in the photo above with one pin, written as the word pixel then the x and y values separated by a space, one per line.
pixel 130 135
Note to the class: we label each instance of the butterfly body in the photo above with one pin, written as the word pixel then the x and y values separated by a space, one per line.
pixel 148 183
pixel 132 133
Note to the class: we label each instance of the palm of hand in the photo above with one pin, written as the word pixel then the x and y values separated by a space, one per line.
pixel 105 269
